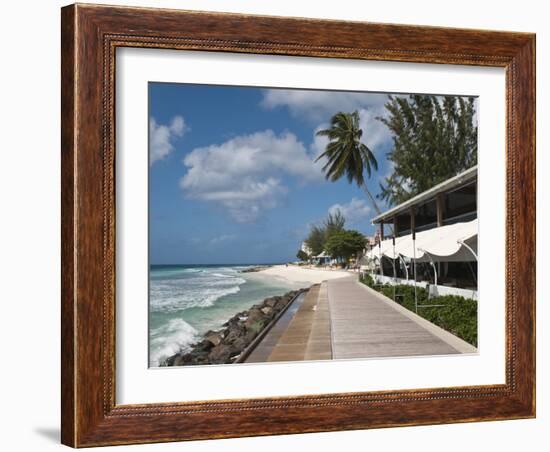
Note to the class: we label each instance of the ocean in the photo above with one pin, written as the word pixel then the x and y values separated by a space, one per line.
pixel 185 301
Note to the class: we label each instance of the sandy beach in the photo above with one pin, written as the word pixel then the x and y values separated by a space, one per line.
pixel 296 274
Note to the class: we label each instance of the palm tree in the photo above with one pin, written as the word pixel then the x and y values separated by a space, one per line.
pixel 346 154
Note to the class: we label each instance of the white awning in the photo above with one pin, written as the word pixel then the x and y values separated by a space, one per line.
pixel 444 243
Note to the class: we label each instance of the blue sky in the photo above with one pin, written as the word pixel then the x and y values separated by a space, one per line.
pixel 232 173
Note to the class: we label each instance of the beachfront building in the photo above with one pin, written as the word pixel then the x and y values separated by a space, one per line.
pixel 323 259
pixel 431 239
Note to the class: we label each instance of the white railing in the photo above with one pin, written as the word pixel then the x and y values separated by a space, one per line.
pixel 439 290
pixel 434 291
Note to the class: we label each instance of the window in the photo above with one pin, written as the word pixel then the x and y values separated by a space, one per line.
pixel 403 224
pixel 425 215
pixel 460 203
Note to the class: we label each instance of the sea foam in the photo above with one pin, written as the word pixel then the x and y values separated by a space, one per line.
pixel 177 291
pixel 175 336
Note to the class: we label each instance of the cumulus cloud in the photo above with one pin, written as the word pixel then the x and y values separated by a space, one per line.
pixel 375 133
pixel 318 106
pixel 319 143
pixel 355 211
pixel 244 175
pixel 162 137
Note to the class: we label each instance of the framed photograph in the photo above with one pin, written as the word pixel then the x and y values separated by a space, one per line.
pixel 282 225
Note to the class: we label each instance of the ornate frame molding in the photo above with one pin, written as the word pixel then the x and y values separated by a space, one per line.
pixel 90 37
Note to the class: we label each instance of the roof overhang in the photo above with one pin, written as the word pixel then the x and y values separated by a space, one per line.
pixel 456 181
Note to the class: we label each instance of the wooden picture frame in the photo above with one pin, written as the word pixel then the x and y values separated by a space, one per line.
pixel 90 36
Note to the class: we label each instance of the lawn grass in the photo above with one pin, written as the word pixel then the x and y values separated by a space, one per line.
pixel 458 315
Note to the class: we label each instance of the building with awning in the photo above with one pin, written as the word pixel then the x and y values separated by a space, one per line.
pixel 322 259
pixel 433 235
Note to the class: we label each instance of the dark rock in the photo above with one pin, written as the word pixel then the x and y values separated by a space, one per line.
pixel 254 315
pixel 255 269
pixel 214 337
pixel 225 345
pixel 222 353
pixel 272 301
pixel 242 342
pixel 258 326
pixel 234 332
pixel 267 310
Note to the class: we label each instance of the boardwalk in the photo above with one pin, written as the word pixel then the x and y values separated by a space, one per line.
pixel 273 337
pixel 344 319
pixel 307 337
pixel 365 324
pixel 302 333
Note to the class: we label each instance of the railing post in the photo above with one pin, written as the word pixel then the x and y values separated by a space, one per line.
pixel 414 271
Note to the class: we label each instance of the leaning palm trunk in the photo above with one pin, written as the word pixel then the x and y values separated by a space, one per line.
pixel 375 205
pixel 372 200
pixel 346 155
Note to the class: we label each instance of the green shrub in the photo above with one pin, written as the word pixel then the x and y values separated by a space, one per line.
pixel 367 279
pixel 458 315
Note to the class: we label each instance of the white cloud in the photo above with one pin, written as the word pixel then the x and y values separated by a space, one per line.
pixel 244 174
pixel 375 133
pixel 355 211
pixel 320 105
pixel 315 106
pixel 319 143
pixel 161 137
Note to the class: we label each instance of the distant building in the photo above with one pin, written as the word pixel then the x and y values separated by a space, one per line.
pixel 372 240
pixel 436 229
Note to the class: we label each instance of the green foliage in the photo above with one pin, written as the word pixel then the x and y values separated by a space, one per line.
pixel 433 140
pixel 458 315
pixel 302 255
pixel 345 244
pixel 333 223
pixel 319 234
pixel 367 279
pixel 345 154
pixel 316 240
pixel 406 293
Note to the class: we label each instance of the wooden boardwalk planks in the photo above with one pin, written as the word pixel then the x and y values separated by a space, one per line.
pixel 344 319
pixel 364 326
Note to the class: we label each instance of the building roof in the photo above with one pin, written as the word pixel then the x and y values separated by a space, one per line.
pixel 456 181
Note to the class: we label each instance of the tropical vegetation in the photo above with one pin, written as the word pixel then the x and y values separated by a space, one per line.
pixel 302 255
pixel 458 315
pixel 331 237
pixel 434 138
pixel 320 233
pixel 345 154
pixel 345 244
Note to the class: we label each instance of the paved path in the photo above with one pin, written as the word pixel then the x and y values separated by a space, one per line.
pixel 307 336
pixel 261 353
pixel 344 319
pixel 319 344
pixel 365 324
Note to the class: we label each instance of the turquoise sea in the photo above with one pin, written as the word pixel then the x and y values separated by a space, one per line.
pixel 185 301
